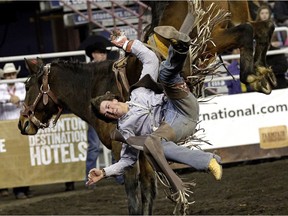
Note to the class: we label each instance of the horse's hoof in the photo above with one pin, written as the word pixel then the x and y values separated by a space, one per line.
pixel 265 86
pixel 267 73
pixel 272 78
pixel 263 70
pixel 251 78
pixel 261 86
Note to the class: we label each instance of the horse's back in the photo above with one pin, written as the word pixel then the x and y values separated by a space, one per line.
pixel 240 12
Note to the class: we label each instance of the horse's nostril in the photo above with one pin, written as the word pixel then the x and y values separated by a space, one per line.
pixel 22 127
pixel 26 124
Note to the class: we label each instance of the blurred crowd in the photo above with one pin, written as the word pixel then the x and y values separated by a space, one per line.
pixel 277 11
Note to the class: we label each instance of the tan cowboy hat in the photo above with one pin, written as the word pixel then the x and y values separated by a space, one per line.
pixel 9 68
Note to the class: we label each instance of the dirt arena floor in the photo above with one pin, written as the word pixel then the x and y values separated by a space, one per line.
pixel 251 188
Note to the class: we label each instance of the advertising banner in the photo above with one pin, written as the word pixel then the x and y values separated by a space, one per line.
pixel 58 154
pixel 53 155
pixel 233 120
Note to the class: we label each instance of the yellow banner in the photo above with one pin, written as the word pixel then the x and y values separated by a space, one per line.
pixel 53 155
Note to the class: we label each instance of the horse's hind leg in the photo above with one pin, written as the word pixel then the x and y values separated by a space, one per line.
pixel 131 183
pixel 241 37
pixel 248 69
pixel 263 33
pixel 245 40
pixel 148 185
pixel 251 68
pixel 132 191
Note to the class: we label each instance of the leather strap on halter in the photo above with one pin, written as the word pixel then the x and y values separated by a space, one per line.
pixel 45 92
pixel 45 88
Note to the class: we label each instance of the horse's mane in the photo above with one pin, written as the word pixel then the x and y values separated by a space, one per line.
pixel 82 73
pixel 83 67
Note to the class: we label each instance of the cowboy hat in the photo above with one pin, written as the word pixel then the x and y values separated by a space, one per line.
pixel 96 42
pixel 9 68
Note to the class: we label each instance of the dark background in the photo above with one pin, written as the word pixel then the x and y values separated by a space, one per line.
pixel 25 30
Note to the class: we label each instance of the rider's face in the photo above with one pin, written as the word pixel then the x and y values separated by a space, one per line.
pixel 113 109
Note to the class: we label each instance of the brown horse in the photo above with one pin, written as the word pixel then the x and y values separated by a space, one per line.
pixel 71 85
pixel 237 32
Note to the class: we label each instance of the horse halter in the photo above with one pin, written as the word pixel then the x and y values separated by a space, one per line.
pixel 44 93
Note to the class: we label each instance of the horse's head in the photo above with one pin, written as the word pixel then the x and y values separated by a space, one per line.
pixel 40 103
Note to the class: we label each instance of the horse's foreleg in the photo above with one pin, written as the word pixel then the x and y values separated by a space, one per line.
pixel 132 191
pixel 148 185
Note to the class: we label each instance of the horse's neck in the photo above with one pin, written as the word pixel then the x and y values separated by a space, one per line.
pixel 70 85
pixel 79 83
pixel 83 83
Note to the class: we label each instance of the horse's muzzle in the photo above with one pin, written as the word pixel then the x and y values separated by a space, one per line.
pixel 26 126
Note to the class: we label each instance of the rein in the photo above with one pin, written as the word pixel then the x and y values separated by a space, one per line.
pixel 45 93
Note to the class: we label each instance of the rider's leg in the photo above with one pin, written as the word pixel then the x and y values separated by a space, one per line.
pixel 186 107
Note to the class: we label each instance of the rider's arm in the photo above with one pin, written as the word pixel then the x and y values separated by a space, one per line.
pixel 129 156
pixel 148 58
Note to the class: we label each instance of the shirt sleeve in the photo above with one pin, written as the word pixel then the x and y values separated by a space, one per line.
pixel 4 96
pixel 21 92
pixel 148 58
pixel 129 156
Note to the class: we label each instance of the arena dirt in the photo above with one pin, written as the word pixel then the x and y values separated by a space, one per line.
pixel 253 188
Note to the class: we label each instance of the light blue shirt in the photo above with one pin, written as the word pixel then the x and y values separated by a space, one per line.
pixel 144 110
pixel 144 117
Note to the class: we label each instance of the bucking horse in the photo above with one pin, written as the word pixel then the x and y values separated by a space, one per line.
pixel 59 85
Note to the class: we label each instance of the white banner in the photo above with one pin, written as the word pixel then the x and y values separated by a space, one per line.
pixel 233 120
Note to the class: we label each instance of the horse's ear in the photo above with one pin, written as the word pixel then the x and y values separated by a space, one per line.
pixel 33 65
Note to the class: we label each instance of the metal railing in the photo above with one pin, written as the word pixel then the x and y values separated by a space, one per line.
pixel 82 52
pixel 89 16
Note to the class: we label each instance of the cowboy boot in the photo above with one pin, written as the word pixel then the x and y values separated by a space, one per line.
pixel 179 41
